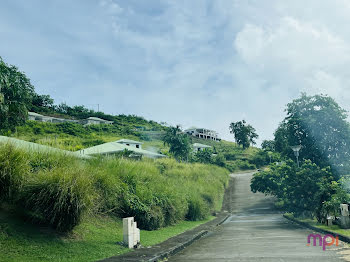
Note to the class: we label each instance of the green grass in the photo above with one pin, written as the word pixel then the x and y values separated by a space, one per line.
pixel 95 238
pixel 313 222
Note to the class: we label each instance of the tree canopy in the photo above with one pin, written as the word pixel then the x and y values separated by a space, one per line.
pixel 319 124
pixel 16 94
pixel 244 133
pixel 178 142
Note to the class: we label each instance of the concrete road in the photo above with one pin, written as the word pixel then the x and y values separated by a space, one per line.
pixel 257 232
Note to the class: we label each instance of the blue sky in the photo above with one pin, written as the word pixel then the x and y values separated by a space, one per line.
pixel 194 63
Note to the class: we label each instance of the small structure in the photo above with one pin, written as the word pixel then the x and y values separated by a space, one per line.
pixel 203 133
pixel 199 147
pixel 115 147
pixel 95 121
pixel 344 217
pixel 129 142
pixel 89 121
pixel 131 234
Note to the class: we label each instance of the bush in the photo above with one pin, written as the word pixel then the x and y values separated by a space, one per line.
pixel 14 167
pixel 59 197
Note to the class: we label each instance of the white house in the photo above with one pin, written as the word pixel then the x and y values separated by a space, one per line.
pixel 203 133
pixel 199 147
pixel 95 121
pixel 129 142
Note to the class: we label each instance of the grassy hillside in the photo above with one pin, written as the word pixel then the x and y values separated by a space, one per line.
pixel 72 203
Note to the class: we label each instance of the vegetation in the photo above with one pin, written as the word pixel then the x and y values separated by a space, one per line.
pixel 94 239
pixel 244 133
pixel 60 190
pixel 317 188
pixel 15 96
pixel 179 143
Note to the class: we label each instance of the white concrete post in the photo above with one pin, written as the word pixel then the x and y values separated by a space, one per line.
pixel 131 234
pixel 344 218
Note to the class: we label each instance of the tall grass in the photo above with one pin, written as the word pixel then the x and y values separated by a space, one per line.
pixel 60 190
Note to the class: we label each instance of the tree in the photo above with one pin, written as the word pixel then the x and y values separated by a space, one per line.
pixel 309 189
pixel 319 124
pixel 204 156
pixel 268 145
pixel 178 142
pixel 16 96
pixel 41 103
pixel 244 133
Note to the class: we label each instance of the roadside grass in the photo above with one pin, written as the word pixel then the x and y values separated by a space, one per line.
pixel 95 238
pixel 313 222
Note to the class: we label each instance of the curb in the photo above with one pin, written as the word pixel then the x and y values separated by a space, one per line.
pixel 172 245
pixel 323 231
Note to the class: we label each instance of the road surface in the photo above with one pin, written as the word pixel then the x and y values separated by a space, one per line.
pixel 257 232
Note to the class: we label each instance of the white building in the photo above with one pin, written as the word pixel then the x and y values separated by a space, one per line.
pixel 129 142
pixel 199 147
pixel 203 133
pixel 95 121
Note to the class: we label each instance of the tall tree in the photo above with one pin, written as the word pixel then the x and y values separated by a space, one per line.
pixel 319 124
pixel 178 142
pixel 16 96
pixel 244 133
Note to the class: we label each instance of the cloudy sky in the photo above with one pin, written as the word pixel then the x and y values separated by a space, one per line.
pixel 194 63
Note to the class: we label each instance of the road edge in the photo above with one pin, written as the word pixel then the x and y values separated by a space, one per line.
pixel 320 230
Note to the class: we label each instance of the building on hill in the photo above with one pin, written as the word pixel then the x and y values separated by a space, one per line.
pixel 95 121
pixel 116 147
pixel 203 133
pixel 41 118
pixel 129 142
pixel 199 147
pixel 89 121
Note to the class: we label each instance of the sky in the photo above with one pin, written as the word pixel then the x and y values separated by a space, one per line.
pixel 193 63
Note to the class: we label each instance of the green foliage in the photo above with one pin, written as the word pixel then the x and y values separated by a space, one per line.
pixel 299 190
pixel 16 93
pixel 14 167
pixel 244 134
pixel 178 142
pixel 59 190
pixel 204 156
pixel 319 124
pixel 268 145
pixel 58 197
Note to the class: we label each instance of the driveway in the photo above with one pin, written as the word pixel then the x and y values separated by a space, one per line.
pixel 257 232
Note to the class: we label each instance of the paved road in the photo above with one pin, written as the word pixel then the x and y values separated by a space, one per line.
pixel 257 232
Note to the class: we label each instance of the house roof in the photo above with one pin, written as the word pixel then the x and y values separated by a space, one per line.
pixel 200 145
pixel 129 141
pixel 29 146
pixel 98 119
pixel 115 147
pixel 34 114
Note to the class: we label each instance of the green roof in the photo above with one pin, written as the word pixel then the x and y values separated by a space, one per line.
pixel 115 147
pixel 29 146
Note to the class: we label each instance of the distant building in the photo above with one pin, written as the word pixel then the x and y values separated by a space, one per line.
pixel 115 147
pixel 95 121
pixel 131 143
pixel 203 133
pixel 199 147
pixel 89 121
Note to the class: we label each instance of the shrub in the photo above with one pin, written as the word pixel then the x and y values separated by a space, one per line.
pixel 59 196
pixel 14 168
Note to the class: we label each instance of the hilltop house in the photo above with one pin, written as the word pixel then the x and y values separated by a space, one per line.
pixel 115 147
pixel 131 143
pixel 199 147
pixel 95 121
pixel 89 121
pixel 203 133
